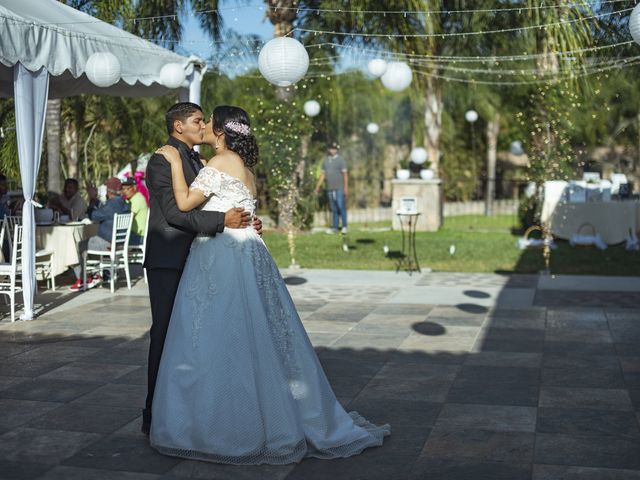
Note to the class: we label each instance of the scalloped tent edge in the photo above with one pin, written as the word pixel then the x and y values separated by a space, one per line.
pixel 44 47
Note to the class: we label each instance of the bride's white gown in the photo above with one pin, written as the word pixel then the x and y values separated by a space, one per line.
pixel 239 381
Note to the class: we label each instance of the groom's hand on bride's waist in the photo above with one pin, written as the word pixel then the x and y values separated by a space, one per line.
pixel 257 225
pixel 236 218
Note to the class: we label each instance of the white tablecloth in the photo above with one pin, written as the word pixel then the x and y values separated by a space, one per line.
pixel 63 241
pixel 612 220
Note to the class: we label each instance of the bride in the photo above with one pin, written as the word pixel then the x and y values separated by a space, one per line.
pixel 239 381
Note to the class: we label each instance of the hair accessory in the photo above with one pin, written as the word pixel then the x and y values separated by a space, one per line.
pixel 241 128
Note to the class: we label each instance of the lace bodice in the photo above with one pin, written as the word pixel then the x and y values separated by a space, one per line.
pixel 224 191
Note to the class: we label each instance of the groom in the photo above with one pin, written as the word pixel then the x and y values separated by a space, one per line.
pixel 171 231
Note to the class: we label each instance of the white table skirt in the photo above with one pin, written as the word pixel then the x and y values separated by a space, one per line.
pixel 63 241
pixel 612 220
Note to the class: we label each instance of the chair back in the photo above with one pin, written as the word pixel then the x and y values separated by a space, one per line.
pixel 11 221
pixel 16 251
pixel 121 231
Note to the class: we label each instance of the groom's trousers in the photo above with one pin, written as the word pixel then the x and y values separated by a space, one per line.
pixel 163 285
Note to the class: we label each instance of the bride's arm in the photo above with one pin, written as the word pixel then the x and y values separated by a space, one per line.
pixel 185 199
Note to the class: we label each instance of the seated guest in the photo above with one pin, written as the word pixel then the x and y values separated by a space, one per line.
pixel 102 213
pixel 70 202
pixel 139 209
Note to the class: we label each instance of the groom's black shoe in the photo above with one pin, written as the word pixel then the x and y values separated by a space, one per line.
pixel 146 421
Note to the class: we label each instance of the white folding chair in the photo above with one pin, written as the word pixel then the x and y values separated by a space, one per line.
pixel 9 271
pixel 137 252
pixel 116 257
pixel 44 257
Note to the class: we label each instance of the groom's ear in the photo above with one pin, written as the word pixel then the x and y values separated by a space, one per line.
pixel 177 126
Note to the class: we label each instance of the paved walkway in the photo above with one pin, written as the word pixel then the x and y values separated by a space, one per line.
pixel 480 376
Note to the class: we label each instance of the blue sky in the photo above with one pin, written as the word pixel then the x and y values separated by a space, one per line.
pixel 242 16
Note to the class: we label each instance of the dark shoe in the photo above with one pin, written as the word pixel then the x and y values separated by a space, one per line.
pixel 146 421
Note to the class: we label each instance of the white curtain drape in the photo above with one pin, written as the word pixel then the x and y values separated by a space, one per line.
pixel 31 90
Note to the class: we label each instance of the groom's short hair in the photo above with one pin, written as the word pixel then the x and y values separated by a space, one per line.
pixel 180 111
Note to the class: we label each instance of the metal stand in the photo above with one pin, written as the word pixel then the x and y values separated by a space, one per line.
pixel 409 259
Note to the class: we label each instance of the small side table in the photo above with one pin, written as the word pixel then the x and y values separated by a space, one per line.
pixel 409 259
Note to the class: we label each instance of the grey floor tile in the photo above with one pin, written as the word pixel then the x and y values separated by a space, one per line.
pixel 8 382
pixel 121 355
pixel 593 398
pixel 587 422
pixel 480 445
pixel 582 377
pixel 353 340
pixel 505 359
pixel 400 309
pixel 625 330
pixel 396 412
pixel 580 314
pixel 122 452
pixel 115 395
pixel 92 372
pixel 554 346
pixel 630 364
pixel 27 367
pixel 135 377
pixel 580 360
pixel 494 375
pixel 212 471
pixel 59 353
pixel 85 418
pixel 487 417
pixel 582 336
pixel 536 323
pixel 49 389
pixel 500 345
pixel 47 447
pixel 606 451
pixel 463 469
pixel 401 357
pixel 561 472
pixel 469 391
pixel 16 470
pixel 634 394
pixel 372 464
pixel 62 472
pixel 17 412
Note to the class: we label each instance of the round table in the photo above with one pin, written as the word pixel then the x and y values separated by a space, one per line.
pixel 63 241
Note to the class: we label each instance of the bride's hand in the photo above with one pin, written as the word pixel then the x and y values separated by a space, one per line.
pixel 170 153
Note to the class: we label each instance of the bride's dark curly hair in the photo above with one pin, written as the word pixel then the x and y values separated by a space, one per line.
pixel 235 124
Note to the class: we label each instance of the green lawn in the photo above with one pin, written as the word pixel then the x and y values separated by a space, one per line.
pixel 482 245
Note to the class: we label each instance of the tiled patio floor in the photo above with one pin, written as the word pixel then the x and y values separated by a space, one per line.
pixel 480 376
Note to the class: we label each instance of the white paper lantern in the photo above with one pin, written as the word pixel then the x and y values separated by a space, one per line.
pixel 172 75
pixel 516 148
pixel 397 77
pixel 283 61
pixel 471 116
pixel 377 67
pixel 311 108
pixel 427 174
pixel 418 155
pixel 634 23
pixel 373 128
pixel 103 69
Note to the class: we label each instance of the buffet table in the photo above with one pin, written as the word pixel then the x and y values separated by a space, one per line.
pixel 63 240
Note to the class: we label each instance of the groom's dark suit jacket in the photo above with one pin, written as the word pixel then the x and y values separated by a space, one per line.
pixel 169 238
pixel 171 231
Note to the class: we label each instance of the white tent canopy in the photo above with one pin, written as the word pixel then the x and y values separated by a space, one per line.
pixel 44 48
pixel 49 34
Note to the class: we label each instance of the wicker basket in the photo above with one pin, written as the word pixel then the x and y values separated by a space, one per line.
pixel 529 231
pixel 582 230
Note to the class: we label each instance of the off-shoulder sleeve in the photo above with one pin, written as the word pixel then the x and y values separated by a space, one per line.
pixel 208 182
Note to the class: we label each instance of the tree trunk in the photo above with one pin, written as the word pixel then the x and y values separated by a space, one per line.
pixel 53 145
pixel 71 149
pixel 433 123
pixel 493 129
